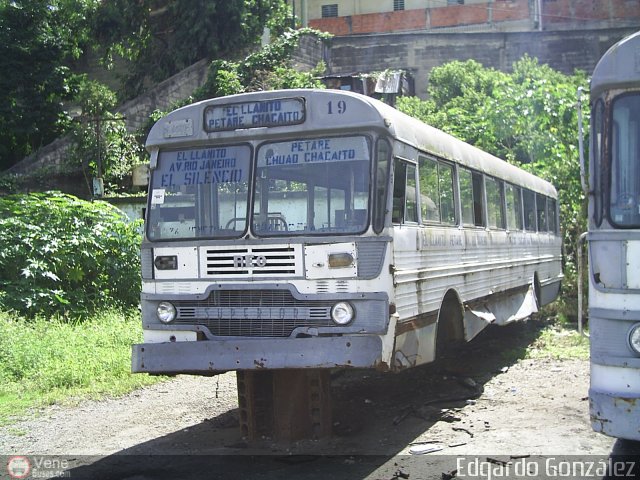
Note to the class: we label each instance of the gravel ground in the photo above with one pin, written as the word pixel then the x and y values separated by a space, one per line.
pixel 475 404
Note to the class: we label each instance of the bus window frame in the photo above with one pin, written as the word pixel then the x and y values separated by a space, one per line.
pixel 477 182
pixel 534 221
pixel 519 213
pixel 379 206
pixel 544 219
pixel 439 164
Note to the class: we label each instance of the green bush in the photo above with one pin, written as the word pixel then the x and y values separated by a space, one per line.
pixel 62 255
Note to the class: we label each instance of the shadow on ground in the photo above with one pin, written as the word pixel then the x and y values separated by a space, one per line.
pixel 375 417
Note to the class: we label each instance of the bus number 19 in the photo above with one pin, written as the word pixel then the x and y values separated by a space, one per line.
pixel 341 107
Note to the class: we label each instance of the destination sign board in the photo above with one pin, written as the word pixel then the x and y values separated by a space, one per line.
pixel 264 113
pixel 317 150
pixel 203 166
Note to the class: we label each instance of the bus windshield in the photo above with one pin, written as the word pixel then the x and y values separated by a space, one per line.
pixel 312 186
pixel 199 193
pixel 309 186
pixel 625 162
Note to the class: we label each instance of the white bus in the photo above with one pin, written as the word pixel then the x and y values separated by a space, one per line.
pixel 614 242
pixel 313 229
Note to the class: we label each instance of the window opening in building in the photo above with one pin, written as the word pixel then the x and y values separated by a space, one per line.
pixel 329 11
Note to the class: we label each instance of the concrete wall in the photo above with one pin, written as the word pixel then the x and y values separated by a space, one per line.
pixel 486 15
pixel 136 113
pixel 164 95
pixel 419 52
pixel 312 9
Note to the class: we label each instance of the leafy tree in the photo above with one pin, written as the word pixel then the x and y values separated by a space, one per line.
pixel 161 37
pixel 101 135
pixel 62 255
pixel 38 39
pixel 41 39
pixel 266 69
pixel 527 117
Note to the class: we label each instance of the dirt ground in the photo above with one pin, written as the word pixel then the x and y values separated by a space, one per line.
pixel 417 424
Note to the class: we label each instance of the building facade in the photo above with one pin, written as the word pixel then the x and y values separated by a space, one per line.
pixel 353 17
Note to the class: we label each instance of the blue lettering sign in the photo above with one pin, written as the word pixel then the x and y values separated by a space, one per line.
pixel 320 150
pixel 265 113
pixel 203 166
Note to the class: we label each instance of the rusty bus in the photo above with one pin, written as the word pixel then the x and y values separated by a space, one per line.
pixel 306 230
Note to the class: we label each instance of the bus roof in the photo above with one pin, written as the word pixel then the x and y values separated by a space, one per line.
pixel 619 67
pixel 368 114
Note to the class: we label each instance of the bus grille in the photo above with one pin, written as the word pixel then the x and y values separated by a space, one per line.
pixel 253 313
pixel 252 261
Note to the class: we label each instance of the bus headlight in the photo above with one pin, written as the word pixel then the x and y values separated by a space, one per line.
pixel 340 260
pixel 634 338
pixel 342 313
pixel 166 312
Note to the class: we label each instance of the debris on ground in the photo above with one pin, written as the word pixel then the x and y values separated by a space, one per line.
pixel 421 449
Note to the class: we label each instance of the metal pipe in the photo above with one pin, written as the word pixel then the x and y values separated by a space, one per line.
pixel 579 246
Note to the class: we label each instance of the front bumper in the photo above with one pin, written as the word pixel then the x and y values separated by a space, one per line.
pixel 211 356
pixel 615 415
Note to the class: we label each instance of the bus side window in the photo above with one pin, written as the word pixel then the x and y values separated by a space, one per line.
pixel 494 203
pixel 405 205
pixel 529 207
pixel 553 223
pixel 447 199
pixel 514 208
pixel 478 201
pixel 399 189
pixel 596 169
pixel 429 194
pixel 411 198
pixel 383 153
pixel 466 196
pixel 541 204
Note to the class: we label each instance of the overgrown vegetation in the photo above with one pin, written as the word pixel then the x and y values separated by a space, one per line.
pixel 65 256
pixel 146 41
pixel 172 35
pixel 559 342
pixel 101 144
pixel 38 42
pixel 527 117
pixel 266 69
pixel 47 360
